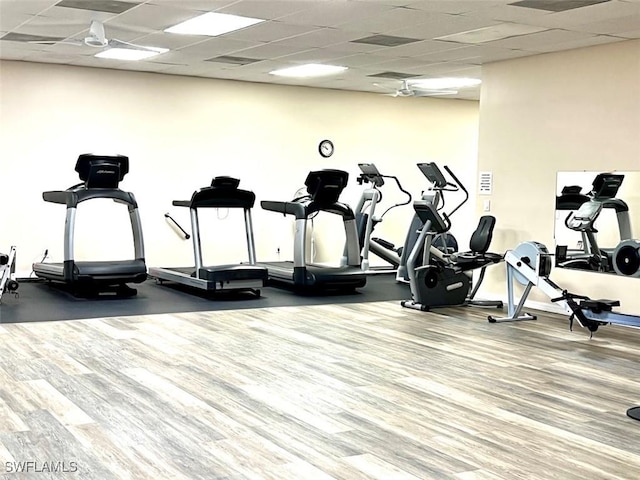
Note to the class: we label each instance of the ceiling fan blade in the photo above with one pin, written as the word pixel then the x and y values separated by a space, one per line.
pixel 433 93
pixel 77 43
pixel 115 43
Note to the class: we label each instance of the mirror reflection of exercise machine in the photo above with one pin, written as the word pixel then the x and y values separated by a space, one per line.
pixel 445 279
pixel 8 283
pixel 367 220
pixel 100 175
pixel 323 188
pixel 223 193
pixel 584 212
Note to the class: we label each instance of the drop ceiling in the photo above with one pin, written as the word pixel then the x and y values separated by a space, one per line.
pixel 380 41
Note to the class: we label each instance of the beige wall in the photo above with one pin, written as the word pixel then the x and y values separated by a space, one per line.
pixel 179 132
pixel 574 110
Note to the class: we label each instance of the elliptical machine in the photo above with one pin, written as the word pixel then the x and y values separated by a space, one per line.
pixel 445 279
pixel 443 243
pixel 8 283
pixel 366 220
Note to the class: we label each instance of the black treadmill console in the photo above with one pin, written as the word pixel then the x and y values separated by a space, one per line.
pixel 606 185
pixel 433 174
pixel 102 171
pixel 325 186
pixel 228 183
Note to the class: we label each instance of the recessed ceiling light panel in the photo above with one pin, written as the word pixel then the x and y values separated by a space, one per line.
pixel 131 54
pixel 213 24
pixel 309 70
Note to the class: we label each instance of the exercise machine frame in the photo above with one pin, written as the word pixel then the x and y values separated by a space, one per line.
pixel 367 220
pixel 8 283
pixel 101 175
pixel 223 193
pixel 324 188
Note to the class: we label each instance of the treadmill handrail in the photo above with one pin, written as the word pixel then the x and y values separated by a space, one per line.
pixel 71 198
pixel 286 208
pixel 303 210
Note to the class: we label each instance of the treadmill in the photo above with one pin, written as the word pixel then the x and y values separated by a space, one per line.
pixel 223 193
pixel 324 188
pixel 100 175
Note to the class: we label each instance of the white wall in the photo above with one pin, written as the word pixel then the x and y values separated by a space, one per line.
pixel 179 132
pixel 574 110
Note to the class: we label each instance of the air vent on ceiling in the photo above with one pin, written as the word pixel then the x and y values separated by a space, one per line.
pixel 385 40
pixel 394 75
pixel 24 37
pixel 556 5
pixel 233 60
pixel 110 6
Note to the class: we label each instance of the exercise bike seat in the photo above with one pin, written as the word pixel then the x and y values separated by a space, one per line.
pixel 478 256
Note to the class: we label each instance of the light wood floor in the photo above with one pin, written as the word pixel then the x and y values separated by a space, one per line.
pixel 359 391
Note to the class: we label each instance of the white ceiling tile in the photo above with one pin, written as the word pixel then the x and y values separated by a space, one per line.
pixel 12 20
pixel 508 13
pixel 611 26
pixel 353 48
pixel 416 49
pixel 25 6
pixel 188 70
pixel 396 19
pixel 443 24
pixel 270 31
pixel 42 57
pixel 315 55
pixel 536 41
pixel 171 42
pixel 268 10
pixel 455 7
pixel 269 50
pixel 321 37
pixel 213 47
pixel 70 16
pixel 361 59
pixel 197 5
pixel 631 34
pixel 155 17
pixel 577 43
pixel 332 13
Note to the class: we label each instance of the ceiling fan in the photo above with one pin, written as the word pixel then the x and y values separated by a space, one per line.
pixel 409 90
pixel 97 39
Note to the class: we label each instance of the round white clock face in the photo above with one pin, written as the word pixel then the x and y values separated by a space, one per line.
pixel 326 148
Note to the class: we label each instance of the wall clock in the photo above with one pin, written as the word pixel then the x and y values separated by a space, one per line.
pixel 326 148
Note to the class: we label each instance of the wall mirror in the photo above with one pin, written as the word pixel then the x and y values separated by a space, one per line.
pixel 597 221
